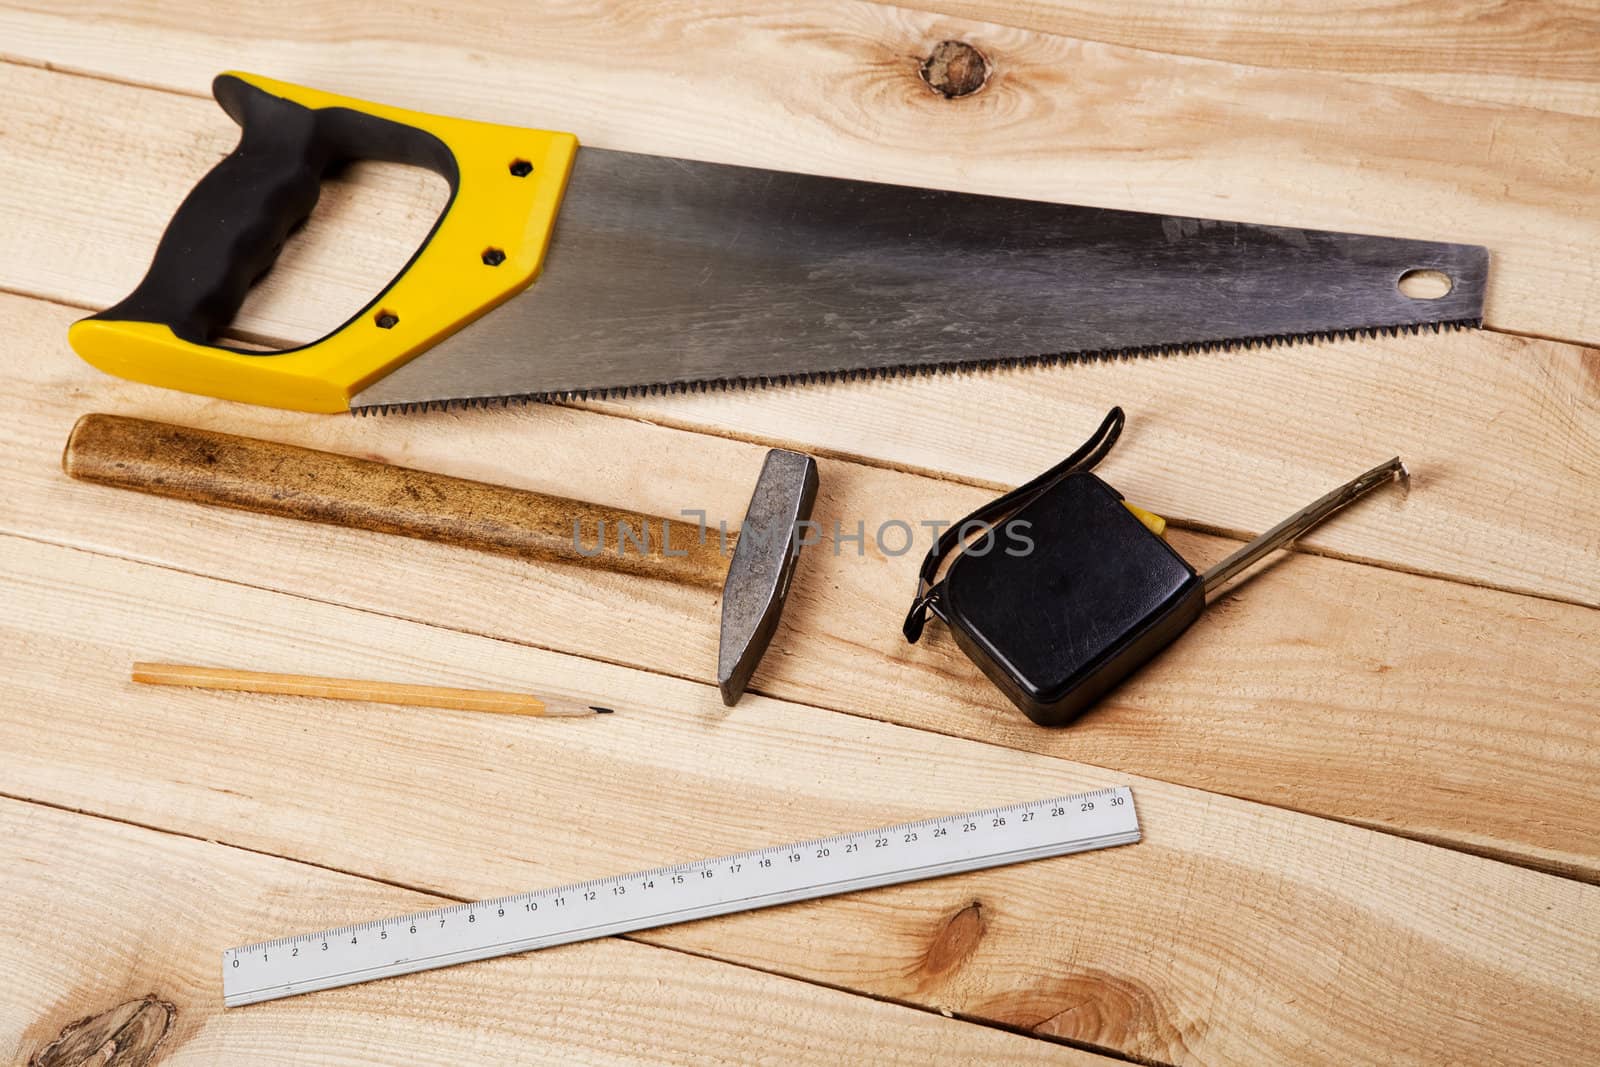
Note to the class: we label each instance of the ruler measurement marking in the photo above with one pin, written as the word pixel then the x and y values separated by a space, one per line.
pixel 679 868
pixel 789 882
pixel 677 915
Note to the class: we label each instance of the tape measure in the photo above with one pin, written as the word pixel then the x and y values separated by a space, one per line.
pixel 909 852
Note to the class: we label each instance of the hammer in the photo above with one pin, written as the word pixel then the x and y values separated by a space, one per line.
pixel 303 483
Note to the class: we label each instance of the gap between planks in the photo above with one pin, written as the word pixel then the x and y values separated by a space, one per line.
pixel 1517 550
pixel 878 45
pixel 960 695
pixel 448 898
pixel 101 76
pixel 1436 840
pixel 109 392
pixel 1311 871
pixel 121 820
pixel 466 631
pixel 268 339
pixel 648 417
pixel 442 898
pixel 1239 535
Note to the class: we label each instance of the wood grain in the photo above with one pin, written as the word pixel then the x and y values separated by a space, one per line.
pixel 1432 707
pixel 203 466
pixel 1502 434
pixel 1297 420
pixel 1438 710
pixel 1232 933
pixel 835 88
pixel 1534 53
pixel 135 933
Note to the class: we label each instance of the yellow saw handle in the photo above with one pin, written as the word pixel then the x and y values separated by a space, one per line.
pixel 506 185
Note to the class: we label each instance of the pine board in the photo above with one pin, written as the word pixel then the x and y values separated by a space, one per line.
pixel 1407 712
pixel 1427 707
pixel 835 89
pixel 68 958
pixel 1231 933
pixel 1532 54
pixel 1493 426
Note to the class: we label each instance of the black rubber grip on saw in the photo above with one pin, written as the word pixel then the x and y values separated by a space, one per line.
pixel 229 230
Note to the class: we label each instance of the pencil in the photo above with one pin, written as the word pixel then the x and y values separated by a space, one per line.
pixel 305 685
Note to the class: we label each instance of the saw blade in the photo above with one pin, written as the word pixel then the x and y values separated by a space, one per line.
pixel 667 274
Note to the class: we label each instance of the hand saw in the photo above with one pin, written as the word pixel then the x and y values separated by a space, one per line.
pixel 559 272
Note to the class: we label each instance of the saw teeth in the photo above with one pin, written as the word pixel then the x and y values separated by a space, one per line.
pixel 855 374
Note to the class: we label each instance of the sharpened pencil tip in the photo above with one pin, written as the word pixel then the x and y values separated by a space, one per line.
pixel 602 711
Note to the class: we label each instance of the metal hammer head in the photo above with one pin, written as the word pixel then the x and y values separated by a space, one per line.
pixel 763 561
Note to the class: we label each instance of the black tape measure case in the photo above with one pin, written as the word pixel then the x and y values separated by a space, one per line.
pixel 1059 624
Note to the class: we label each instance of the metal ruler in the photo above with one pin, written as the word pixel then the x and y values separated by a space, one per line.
pixel 624 903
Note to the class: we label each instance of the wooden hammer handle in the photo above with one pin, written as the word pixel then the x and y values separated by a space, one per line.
pixel 303 483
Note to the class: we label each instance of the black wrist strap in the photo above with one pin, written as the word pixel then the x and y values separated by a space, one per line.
pixel 1087 457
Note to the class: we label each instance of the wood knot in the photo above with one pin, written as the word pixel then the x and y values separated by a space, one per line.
pixel 127 1035
pixel 956 940
pixel 955 68
pixel 1118 1012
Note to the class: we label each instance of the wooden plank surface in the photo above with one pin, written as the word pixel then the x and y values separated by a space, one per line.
pixel 1526 412
pixel 1433 708
pixel 1533 53
pixel 67 957
pixel 1231 933
pixel 1302 420
pixel 835 88
pixel 1421 691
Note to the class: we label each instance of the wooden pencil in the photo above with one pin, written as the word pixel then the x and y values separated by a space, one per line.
pixel 433 696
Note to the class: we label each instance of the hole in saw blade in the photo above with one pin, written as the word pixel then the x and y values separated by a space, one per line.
pixel 1424 284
